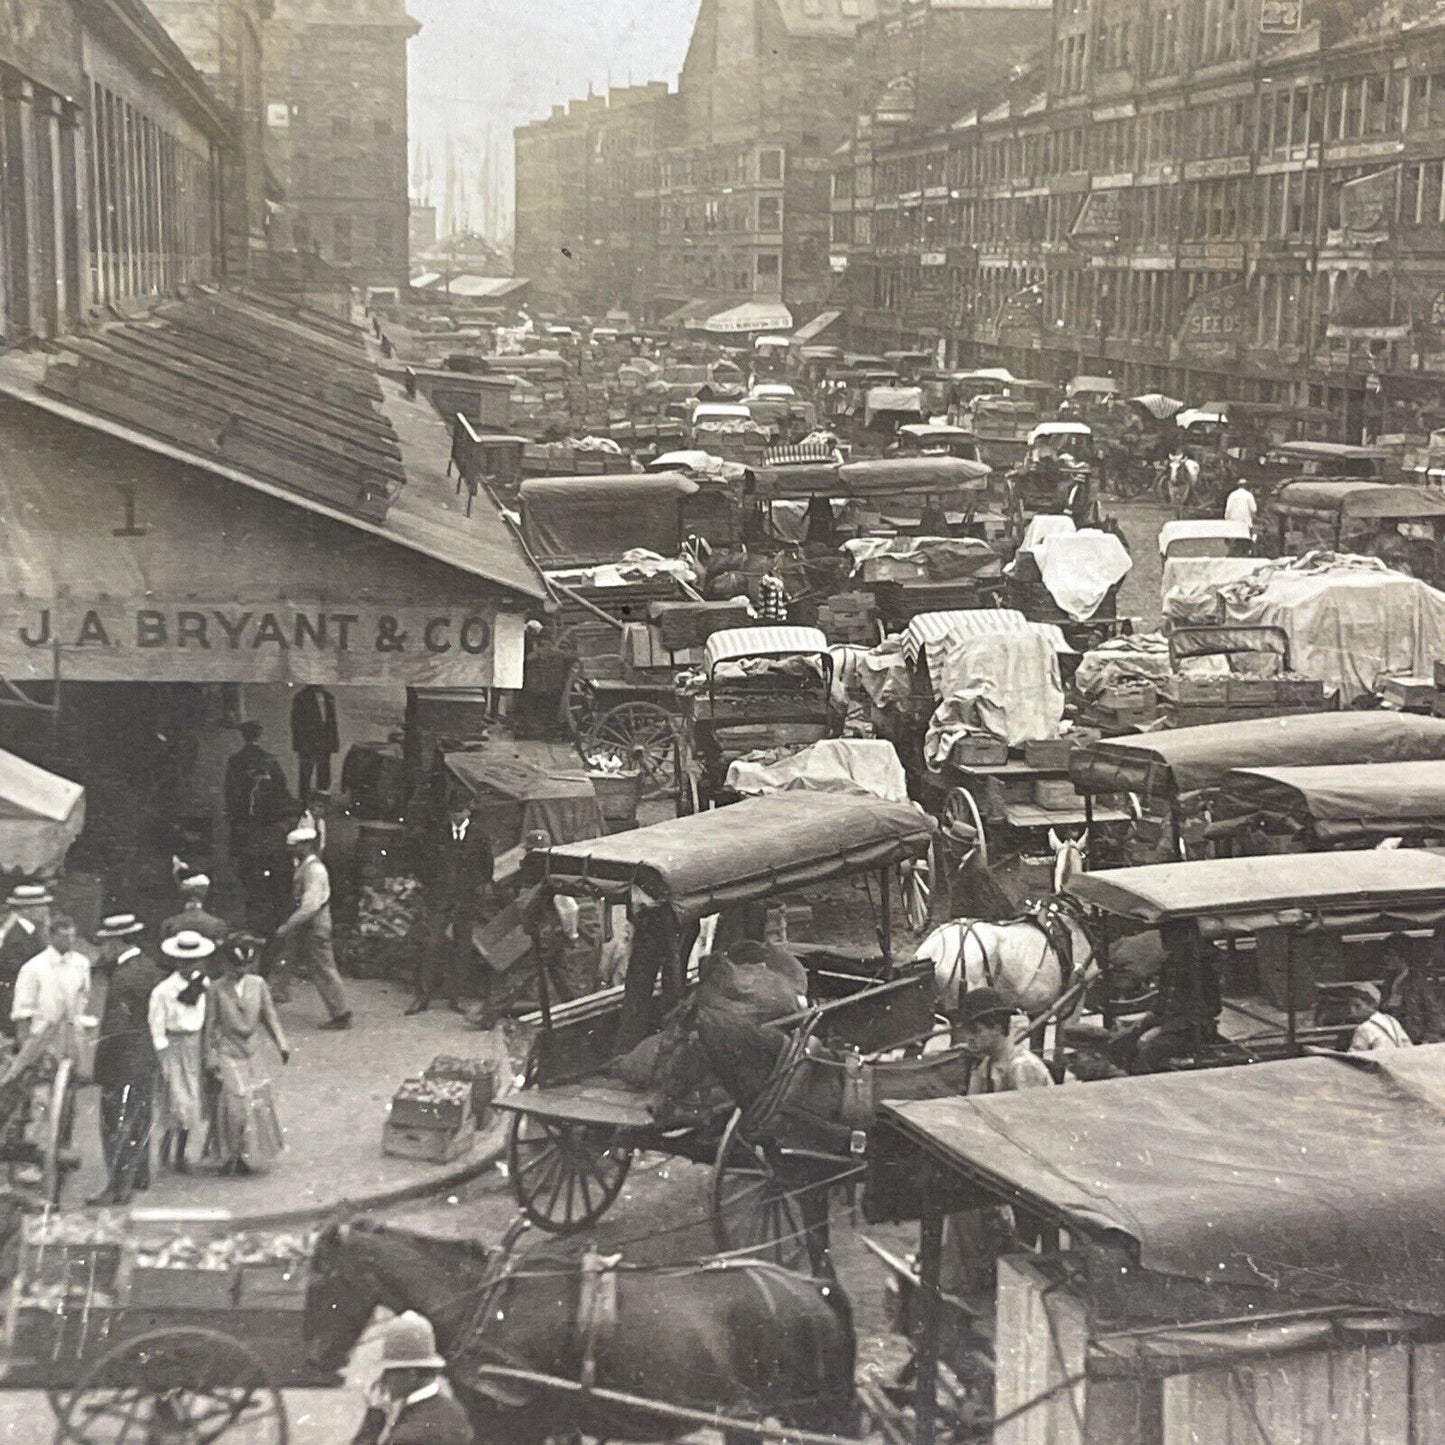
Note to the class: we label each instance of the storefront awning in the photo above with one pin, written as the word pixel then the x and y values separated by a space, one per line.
pixel 689 313
pixel 751 316
pixel 41 815
pixel 226 493
pixel 812 330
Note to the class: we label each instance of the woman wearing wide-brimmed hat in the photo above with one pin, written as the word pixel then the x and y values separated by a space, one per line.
pixel 177 1017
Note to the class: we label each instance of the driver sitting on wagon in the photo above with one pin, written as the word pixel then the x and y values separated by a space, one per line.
pixel 1185 1013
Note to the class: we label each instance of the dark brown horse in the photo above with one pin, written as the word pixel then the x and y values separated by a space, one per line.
pixel 750 1341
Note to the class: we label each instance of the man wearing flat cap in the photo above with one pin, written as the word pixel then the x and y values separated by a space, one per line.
pixel 22 935
pixel 305 936
pixel 1001 1064
pixel 125 1057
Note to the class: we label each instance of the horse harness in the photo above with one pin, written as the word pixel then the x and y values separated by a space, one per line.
pixel 1050 917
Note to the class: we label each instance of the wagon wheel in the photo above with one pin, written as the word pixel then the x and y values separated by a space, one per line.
pixel 57 1161
pixel 915 883
pixel 183 1387
pixel 565 1174
pixel 752 1208
pixel 638 734
pixel 579 702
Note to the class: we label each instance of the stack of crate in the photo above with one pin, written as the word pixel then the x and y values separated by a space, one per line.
pixel 1122 706
pixel 849 617
pixel 1192 701
pixel 1411 694
pixel 430 1119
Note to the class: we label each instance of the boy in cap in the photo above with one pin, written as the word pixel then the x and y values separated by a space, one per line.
pixel 1373 1028
pixel 1002 1065
pixel 411 1403
pixel 125 1058
pixel 22 935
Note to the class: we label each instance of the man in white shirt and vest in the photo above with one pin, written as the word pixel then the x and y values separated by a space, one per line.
pixel 306 934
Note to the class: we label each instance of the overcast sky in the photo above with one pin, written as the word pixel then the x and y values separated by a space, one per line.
pixel 500 62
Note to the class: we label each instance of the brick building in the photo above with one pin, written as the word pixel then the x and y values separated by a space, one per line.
pixel 586 199
pixel 1183 197
pixel 335 85
pixel 113 149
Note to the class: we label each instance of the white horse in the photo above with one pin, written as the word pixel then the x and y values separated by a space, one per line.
pixel 1016 957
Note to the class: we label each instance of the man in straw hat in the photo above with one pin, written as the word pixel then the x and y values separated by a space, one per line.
pixel 306 934
pixel 411 1403
pixel 22 935
pixel 125 1057
pixel 177 1015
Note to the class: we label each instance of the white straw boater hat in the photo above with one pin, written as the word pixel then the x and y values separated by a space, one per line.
pixel 119 925
pixel 29 895
pixel 188 944
pixel 301 835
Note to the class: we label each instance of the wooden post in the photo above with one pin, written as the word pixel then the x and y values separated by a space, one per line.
pixel 930 1259
pixel 885 921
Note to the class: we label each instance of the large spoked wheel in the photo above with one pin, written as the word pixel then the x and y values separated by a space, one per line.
pixel 752 1208
pixel 915 883
pixel 565 1175
pixel 579 703
pixel 181 1387
pixel 640 735
pixel 39 1158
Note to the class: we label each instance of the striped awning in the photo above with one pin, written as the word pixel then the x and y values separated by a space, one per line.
pixel 934 633
pixel 738 642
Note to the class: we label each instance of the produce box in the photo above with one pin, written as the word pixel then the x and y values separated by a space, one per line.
pixel 1301 692
pixel 479 1074
pixel 1048 752
pixel 434 1145
pixel 979 750
pixel 70 1253
pixel 432 1103
pixel 1058 795
pixel 1129 697
pixel 1209 691
pixel 690 624
pixel 1252 691
pixel 1408 692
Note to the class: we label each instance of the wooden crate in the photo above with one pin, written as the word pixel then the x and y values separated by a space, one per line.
pixel 1195 691
pixel 429 1113
pixel 1048 752
pixel 479 1073
pixel 1057 795
pixel 979 750
pixel 1408 692
pixel 181 1289
pixel 1252 691
pixel 434 1145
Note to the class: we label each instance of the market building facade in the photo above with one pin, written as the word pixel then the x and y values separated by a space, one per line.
pixel 1195 198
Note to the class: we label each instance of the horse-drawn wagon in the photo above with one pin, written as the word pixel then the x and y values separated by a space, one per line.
pixel 1057 472
pixel 579 1120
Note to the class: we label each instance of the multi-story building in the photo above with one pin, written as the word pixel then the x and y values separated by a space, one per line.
pixel 586 212
pixel 1186 194
pixel 224 41
pixel 112 148
pixel 335 84
pixel 768 90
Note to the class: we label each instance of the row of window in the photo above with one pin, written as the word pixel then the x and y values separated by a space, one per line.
pixel 1114 44
pixel 736 215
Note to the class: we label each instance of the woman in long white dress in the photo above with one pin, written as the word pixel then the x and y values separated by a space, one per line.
pixel 246 1133
pixel 177 1014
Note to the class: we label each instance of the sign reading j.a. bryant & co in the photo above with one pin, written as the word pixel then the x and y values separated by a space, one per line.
pixel 1213 327
pixel 113 640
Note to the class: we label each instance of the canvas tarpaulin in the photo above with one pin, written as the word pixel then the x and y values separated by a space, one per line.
pixel 1189 586
pixel 835 765
pixel 1318 1178
pixel 597 519
pixel 517 795
pixel 1008 684
pixel 1188 760
pixel 41 815
pixel 1347 628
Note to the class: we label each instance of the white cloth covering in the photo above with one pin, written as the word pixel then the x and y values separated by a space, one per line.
pixel 1007 684
pixel 835 765
pixel 1079 568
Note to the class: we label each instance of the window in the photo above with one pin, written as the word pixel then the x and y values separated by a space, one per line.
pixel 769 265
pixel 770 214
pixel 770 165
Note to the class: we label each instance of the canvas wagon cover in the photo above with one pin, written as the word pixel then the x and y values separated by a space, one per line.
pixel 518 795
pixel 1319 1178
pixel 1340 800
pixel 41 815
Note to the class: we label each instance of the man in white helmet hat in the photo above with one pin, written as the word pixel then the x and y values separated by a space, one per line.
pixel 306 934
pixel 411 1403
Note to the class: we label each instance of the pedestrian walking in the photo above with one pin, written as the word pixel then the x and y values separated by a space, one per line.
pixel 411 1403
pixel 177 1015
pixel 125 1058
pixel 458 869
pixel 22 936
pixel 306 934
pixel 194 917
pixel 247 1134
pixel 52 990
pixel 1240 505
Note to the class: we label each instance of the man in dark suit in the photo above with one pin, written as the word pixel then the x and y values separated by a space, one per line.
pixel 457 869
pixel 125 1058
pixel 314 738
pixel 22 936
